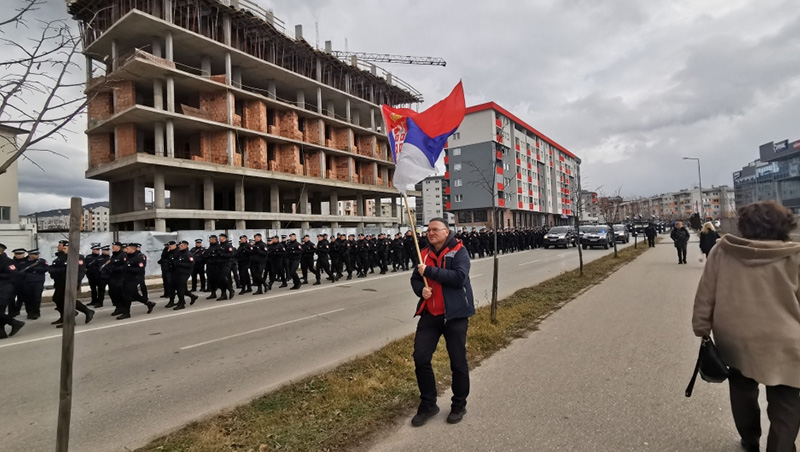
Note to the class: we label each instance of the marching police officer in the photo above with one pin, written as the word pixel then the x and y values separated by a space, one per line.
pixel 134 270
pixel 58 271
pixel 97 283
pixel 294 252
pixel 20 262
pixel 164 261
pixel 243 256
pixel 114 271
pixel 225 255
pixel 182 267
pixel 8 273
pixel 323 254
pixel 258 263
pixel 361 250
pixel 199 270
pixel 277 250
pixel 307 260
pixel 212 267
pixel 34 276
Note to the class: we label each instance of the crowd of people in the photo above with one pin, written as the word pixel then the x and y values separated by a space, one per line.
pixel 253 265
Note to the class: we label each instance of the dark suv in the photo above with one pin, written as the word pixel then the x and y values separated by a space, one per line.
pixel 560 236
pixel 621 233
pixel 597 236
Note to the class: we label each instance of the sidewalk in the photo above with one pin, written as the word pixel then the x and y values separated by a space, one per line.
pixel 607 372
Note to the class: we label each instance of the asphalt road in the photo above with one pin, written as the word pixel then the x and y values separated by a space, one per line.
pixel 607 372
pixel 142 377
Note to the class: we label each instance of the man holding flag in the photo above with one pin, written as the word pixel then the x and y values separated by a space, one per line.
pixel 442 278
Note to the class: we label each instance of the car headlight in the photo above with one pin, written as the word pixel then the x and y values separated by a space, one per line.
pixel 546 236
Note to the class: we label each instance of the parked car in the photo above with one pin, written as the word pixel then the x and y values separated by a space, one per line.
pixel 621 233
pixel 560 236
pixel 597 236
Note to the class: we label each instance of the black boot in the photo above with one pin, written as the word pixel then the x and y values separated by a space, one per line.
pixel 179 306
pixel 16 325
pixel 124 315
pixel 150 306
pixel 243 291
pixel 223 297
pixel 258 291
pixel 89 315
pixel 193 297
pixel 58 321
pixel 283 285
pixel 171 304
pixel 212 296
pixel 317 283
pixel 295 287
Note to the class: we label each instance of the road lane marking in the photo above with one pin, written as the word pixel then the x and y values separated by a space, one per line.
pixel 531 262
pixel 260 329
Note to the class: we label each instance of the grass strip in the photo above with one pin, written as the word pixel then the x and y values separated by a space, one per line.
pixel 347 406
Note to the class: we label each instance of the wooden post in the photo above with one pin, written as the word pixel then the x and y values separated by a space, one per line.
pixel 68 338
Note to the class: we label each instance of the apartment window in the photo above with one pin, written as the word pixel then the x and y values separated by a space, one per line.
pixel 459 198
pixel 457 183
pixel 457 151
pixel 456 167
pixel 5 214
pixel 457 136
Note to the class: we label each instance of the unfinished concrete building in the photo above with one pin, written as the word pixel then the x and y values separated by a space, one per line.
pixel 243 126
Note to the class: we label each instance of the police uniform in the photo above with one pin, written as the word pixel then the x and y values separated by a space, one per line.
pixel 8 273
pixel 34 275
pixel 97 283
pixel 243 256
pixel 294 253
pixel 212 266
pixel 182 267
pixel 225 254
pixel 20 262
pixel 134 271
pixel 114 271
pixel 277 250
pixel 199 269
pixel 258 264
pixel 58 271
pixel 307 260
pixel 323 256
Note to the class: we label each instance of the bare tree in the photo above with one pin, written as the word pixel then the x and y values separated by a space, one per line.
pixel 487 182
pixel 610 210
pixel 39 93
pixel 576 198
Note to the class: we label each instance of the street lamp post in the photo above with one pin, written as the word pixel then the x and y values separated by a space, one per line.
pixel 700 186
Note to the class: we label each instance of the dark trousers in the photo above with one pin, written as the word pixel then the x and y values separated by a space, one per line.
pixel 179 281
pixel 213 277
pixel 681 247
pixel 429 329
pixel 33 297
pixel 323 266
pixel 292 265
pixel 257 270
pixel 224 277
pixel 58 299
pixel 306 265
pixel 336 263
pixel 244 275
pixel 362 263
pixel 166 277
pixel 651 242
pixel 348 264
pixel 199 272
pixel 116 292
pixel 276 272
pixel 6 297
pixel 783 410
pixel 143 290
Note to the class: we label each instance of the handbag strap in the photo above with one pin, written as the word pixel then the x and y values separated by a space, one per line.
pixel 694 377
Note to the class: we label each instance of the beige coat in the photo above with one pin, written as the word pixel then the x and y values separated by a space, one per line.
pixel 748 296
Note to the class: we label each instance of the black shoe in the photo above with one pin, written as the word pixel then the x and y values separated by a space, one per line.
pixel 59 321
pixel 123 316
pixel 171 304
pixel 258 292
pixel 295 287
pixel 193 297
pixel 89 316
pixel 394 270
pixel 749 447
pixel 383 272
pixel 305 281
pixel 349 277
pixel 13 313
pixel 230 294
pixel 284 285
pixel 249 289
pixel 338 277
pixel 32 316
pixel 243 291
pixel 223 297
pixel 422 416
pixel 456 414
pixel 116 312
pixel 15 327
pixel 3 334
pixel 150 306
pixel 179 306
pixel 212 296
pixel 317 283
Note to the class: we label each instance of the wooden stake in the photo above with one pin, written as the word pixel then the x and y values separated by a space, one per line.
pixel 68 315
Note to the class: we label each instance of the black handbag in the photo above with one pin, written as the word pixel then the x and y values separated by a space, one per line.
pixel 709 365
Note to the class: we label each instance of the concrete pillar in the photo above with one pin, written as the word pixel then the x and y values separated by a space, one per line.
pixel 272 92
pixel 156 47
pixel 238 192
pixel 334 204
pixel 170 139
pixel 159 138
pixel 301 99
pixel 208 200
pixel 319 99
pixel 394 207
pixel 372 123
pixel 231 144
pixel 347 83
pixel 138 194
pixel 168 47
pixel 114 55
pixel 347 110
pixel 170 95
pixel 303 203
pixel 89 64
pixel 275 204
pixel 228 69
pixel 356 115
pixel 168 11
pixel 205 66
pixel 236 77
pixel 377 209
pixel 331 109
pixel 159 200
pixel 226 30
pixel 361 207
pixel 319 70
pixel 158 94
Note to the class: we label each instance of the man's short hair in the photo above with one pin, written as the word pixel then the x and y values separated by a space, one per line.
pixel 440 220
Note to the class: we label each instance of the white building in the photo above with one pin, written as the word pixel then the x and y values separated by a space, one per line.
pixel 96 219
pixel 12 233
pixel 431 204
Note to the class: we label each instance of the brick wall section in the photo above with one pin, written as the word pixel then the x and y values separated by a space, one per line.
pixel 195 112
pixel 287 159
pixel 366 145
pixel 126 140
pixel 100 150
pixel 237 159
pixel 100 106
pixel 312 131
pixel 213 148
pixel 256 153
pixel 340 139
pixel 124 95
pixel 216 105
pixel 287 125
pixel 313 167
pixel 366 175
pixel 339 169
pixel 254 115
pixel 218 78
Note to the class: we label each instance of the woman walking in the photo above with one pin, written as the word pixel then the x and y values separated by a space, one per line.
pixel 748 297
pixel 708 238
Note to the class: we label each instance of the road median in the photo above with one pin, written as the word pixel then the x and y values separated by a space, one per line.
pixel 348 406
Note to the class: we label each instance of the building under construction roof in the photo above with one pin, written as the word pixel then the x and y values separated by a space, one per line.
pixel 244 126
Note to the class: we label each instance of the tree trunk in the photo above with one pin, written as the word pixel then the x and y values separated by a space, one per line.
pixel 493 309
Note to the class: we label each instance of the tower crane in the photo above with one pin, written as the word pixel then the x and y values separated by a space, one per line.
pixel 387 58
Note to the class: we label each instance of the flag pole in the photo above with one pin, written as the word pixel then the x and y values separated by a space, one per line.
pixel 414 229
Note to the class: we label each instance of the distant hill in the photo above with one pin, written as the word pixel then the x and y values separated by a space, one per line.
pixel 57 212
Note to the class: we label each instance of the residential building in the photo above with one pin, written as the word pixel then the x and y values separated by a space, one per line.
pixel 775 175
pixel 431 204
pixel 96 219
pixel 717 202
pixel 244 126
pixel 590 208
pixel 13 233
pixel 495 159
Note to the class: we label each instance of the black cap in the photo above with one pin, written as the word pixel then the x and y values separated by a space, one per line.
pixel 319 235
pixel 2 246
pixel 351 235
pixel 360 234
pixel 118 244
pixel 273 237
pixel 19 251
pixel 96 244
pixel 96 247
pixel 283 237
pixel 184 242
pixel 242 236
pixel 324 234
pixel 137 245
pixel 34 251
pixel 257 234
pixel 63 242
pixel 224 235
pixel 212 236
pixel 198 240
pixel 291 234
pixel 306 236
pixel 171 242
pixel 102 248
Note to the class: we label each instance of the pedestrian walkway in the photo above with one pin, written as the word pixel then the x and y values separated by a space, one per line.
pixel 607 372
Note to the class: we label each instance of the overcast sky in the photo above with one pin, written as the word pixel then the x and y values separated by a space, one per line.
pixel 628 86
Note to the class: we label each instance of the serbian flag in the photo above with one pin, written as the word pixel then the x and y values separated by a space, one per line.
pixel 418 139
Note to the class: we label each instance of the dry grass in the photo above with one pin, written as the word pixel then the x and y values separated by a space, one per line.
pixel 347 406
